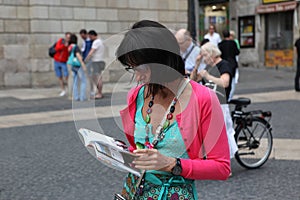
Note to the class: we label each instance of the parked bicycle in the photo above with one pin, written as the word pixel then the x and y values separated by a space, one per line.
pixel 253 134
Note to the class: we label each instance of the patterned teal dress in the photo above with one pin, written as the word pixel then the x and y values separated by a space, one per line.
pixel 160 185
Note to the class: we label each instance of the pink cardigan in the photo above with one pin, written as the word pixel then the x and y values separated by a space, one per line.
pixel 200 123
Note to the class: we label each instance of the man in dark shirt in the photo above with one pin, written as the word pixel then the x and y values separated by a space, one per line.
pixel 229 51
pixel 297 77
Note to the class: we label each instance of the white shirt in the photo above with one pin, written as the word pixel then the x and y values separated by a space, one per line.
pixel 215 38
pixel 191 59
pixel 99 50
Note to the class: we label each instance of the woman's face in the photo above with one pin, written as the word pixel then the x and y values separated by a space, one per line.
pixel 142 73
pixel 207 58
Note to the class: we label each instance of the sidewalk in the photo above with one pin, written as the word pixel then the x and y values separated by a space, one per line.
pixel 251 81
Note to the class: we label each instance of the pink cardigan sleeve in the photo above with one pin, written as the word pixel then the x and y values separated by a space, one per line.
pixel 211 133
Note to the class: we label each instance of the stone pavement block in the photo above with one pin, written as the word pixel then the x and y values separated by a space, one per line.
pixel 181 16
pixel 16 2
pixel 16 51
pixel 107 14
pixel 1 52
pixel 41 65
pixel 84 13
pixel 23 39
pixel 183 5
pixel 17 79
pixel 46 26
pixel 6 39
pixel 24 65
pixel 167 16
pixel 80 3
pixel 1 78
pixel 43 79
pixel 20 26
pixel 8 65
pixel 117 3
pixel 159 4
pixel 60 13
pixel 72 26
pixel 96 3
pixel 128 15
pixel 138 4
pixel 1 25
pixel 39 12
pixel 40 39
pixel 146 14
pixel 39 51
pixel 99 27
pixel 116 27
pixel 22 12
pixel 9 12
pixel 44 2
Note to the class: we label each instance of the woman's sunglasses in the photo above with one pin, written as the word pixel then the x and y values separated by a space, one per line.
pixel 140 68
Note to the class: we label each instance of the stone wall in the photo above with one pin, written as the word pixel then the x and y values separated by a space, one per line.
pixel 29 27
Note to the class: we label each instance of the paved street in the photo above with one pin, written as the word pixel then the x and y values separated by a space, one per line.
pixel 41 156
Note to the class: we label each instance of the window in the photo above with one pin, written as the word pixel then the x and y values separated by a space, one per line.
pixel 279 30
pixel 247 31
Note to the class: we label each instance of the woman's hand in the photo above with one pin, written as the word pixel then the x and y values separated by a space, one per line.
pixel 198 60
pixel 151 159
pixel 204 74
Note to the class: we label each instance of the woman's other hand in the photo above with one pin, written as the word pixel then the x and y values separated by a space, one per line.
pixel 204 74
pixel 151 159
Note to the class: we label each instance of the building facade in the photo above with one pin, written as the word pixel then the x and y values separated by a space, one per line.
pixel 266 29
pixel 29 27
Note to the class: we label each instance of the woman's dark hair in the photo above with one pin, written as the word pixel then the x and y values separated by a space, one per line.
pixel 149 42
pixel 73 39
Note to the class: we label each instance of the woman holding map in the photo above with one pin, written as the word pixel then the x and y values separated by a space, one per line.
pixel 174 126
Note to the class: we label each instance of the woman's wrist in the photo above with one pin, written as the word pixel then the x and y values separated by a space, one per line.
pixel 171 164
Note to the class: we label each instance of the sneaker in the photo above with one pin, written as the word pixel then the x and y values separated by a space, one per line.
pixel 62 93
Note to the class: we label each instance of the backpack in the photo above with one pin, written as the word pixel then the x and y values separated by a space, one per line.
pixel 52 50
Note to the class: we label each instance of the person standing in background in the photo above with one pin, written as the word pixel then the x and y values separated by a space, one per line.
pixel 79 93
pixel 229 51
pixel 87 43
pixel 297 77
pixel 60 62
pixel 237 74
pixel 188 50
pixel 96 65
pixel 212 35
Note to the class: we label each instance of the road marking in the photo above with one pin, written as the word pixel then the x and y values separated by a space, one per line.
pixel 28 119
pixel 271 96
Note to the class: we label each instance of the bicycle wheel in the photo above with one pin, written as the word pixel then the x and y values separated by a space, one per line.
pixel 254 142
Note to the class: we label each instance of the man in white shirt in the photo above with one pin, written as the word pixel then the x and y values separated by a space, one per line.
pixel 213 36
pixel 189 50
pixel 96 64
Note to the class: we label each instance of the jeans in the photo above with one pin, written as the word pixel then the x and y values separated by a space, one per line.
pixel 232 89
pixel 79 93
pixel 297 77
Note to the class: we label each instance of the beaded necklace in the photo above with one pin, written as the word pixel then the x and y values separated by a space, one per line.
pixel 160 131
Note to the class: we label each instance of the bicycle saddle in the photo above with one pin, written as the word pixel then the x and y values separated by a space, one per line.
pixel 240 101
